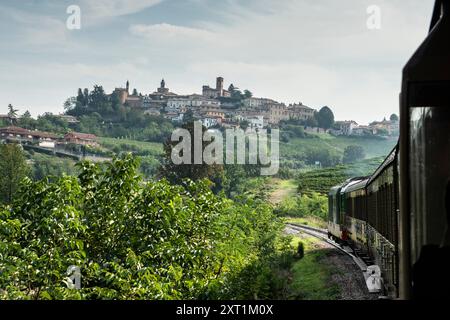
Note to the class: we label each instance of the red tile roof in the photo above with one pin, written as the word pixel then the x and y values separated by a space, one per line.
pixel 83 136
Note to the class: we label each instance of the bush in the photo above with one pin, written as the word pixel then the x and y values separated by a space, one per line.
pixel 134 239
pixel 300 250
pixel 313 204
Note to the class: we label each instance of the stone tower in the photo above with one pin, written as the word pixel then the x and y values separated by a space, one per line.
pixel 219 86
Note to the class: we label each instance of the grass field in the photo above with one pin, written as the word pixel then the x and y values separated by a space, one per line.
pixel 322 180
pixel 139 147
pixel 308 221
pixel 311 276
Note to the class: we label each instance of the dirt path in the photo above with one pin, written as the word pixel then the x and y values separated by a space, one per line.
pixel 281 190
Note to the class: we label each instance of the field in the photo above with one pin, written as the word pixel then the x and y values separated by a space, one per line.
pixel 139 147
pixel 311 276
pixel 322 180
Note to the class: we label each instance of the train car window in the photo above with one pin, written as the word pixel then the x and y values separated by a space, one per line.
pixel 429 174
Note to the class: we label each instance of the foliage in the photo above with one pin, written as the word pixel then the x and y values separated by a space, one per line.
pixel 13 169
pixel 313 204
pixel 44 166
pixel 312 276
pixel 134 239
pixel 394 117
pixel 177 172
pixel 353 154
pixel 324 157
pixel 325 118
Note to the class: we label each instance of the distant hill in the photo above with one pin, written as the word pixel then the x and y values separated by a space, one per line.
pixel 300 153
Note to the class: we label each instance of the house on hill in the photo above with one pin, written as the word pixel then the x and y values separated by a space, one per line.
pixel 346 127
pixel 85 139
pixel 44 139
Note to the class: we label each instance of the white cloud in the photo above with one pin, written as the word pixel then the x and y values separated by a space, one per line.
pixel 320 53
pixel 115 8
pixel 36 29
pixel 165 31
pixel 317 52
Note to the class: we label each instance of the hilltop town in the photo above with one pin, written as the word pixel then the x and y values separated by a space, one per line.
pixel 228 108
pixel 125 113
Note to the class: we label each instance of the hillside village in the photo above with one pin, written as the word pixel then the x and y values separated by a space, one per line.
pixel 215 108
pixel 227 108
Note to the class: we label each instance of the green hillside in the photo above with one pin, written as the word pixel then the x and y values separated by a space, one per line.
pixel 323 179
pixel 299 153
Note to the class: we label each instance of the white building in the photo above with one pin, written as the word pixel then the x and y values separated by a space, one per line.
pixel 209 122
pixel 347 127
pixel 190 101
pixel 257 102
pixel 256 122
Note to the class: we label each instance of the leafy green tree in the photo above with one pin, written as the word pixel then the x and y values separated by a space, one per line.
pixel 11 111
pixel 394 117
pixel 353 154
pixel 324 156
pixel 244 124
pixel 248 94
pixel 312 122
pixel 26 121
pixel 26 115
pixel 13 168
pixel 325 118
pixel 134 240
pixel 176 173
pixel 188 117
pixel 80 97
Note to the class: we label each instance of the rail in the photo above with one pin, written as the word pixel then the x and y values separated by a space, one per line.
pixel 322 234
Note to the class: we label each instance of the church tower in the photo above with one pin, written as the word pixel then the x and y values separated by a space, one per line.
pixel 163 90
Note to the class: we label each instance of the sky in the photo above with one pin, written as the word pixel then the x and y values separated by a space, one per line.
pixel 318 52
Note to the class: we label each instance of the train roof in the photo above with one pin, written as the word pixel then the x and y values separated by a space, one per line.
pixel 361 184
pixel 386 163
pixel 354 184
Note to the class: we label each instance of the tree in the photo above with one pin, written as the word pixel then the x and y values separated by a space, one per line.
pixel 135 239
pixel 71 103
pixel 86 96
pixel 248 94
pixel 80 96
pixel 12 113
pixel 394 117
pixel 26 115
pixel 135 93
pixel 13 168
pixel 176 173
pixel 188 116
pixel 353 154
pixel 244 124
pixel 325 118
pixel 312 122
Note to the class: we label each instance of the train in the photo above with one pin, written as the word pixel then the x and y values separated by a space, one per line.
pixel 363 214
pixel 399 216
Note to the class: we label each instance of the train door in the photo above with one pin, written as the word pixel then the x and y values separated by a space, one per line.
pixel 425 162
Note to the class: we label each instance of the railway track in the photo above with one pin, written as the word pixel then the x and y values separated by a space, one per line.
pixel 322 234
